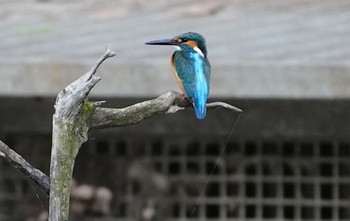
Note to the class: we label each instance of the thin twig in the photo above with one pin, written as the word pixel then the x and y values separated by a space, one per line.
pixel 108 53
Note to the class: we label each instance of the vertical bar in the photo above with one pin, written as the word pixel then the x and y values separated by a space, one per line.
pixel 335 182
pixel 317 182
pixel 258 181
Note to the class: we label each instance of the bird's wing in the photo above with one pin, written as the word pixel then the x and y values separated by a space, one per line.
pixel 194 74
pixel 207 72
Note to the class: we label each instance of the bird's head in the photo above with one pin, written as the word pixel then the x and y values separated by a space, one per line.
pixel 192 39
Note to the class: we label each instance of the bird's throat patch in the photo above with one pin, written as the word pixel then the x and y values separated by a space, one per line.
pixel 198 51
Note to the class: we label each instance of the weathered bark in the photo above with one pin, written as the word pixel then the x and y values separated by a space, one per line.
pixel 69 132
pixel 169 102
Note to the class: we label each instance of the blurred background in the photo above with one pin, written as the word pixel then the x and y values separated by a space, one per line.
pixel 285 63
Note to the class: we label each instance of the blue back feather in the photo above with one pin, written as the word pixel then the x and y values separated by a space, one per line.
pixel 194 73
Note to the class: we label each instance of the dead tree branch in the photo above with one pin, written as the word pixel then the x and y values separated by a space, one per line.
pixel 169 102
pixel 69 132
pixel 21 164
pixel 73 117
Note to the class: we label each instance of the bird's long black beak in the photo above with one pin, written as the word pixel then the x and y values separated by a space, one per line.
pixel 162 42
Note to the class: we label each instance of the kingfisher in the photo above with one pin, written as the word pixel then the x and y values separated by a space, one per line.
pixel 191 68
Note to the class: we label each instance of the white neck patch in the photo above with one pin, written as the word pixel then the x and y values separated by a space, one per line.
pixel 198 51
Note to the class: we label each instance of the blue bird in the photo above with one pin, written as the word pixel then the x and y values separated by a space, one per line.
pixel 191 68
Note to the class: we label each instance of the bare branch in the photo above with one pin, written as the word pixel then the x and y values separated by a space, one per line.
pixel 108 53
pixel 21 164
pixel 217 105
pixel 78 90
pixel 169 102
pixel 65 99
pixel 69 132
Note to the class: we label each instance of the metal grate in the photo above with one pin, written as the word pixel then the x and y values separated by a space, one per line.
pixel 254 180
pixel 281 164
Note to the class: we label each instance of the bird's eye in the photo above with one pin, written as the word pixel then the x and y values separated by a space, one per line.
pixel 184 39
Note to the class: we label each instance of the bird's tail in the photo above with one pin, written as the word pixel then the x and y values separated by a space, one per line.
pixel 200 108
